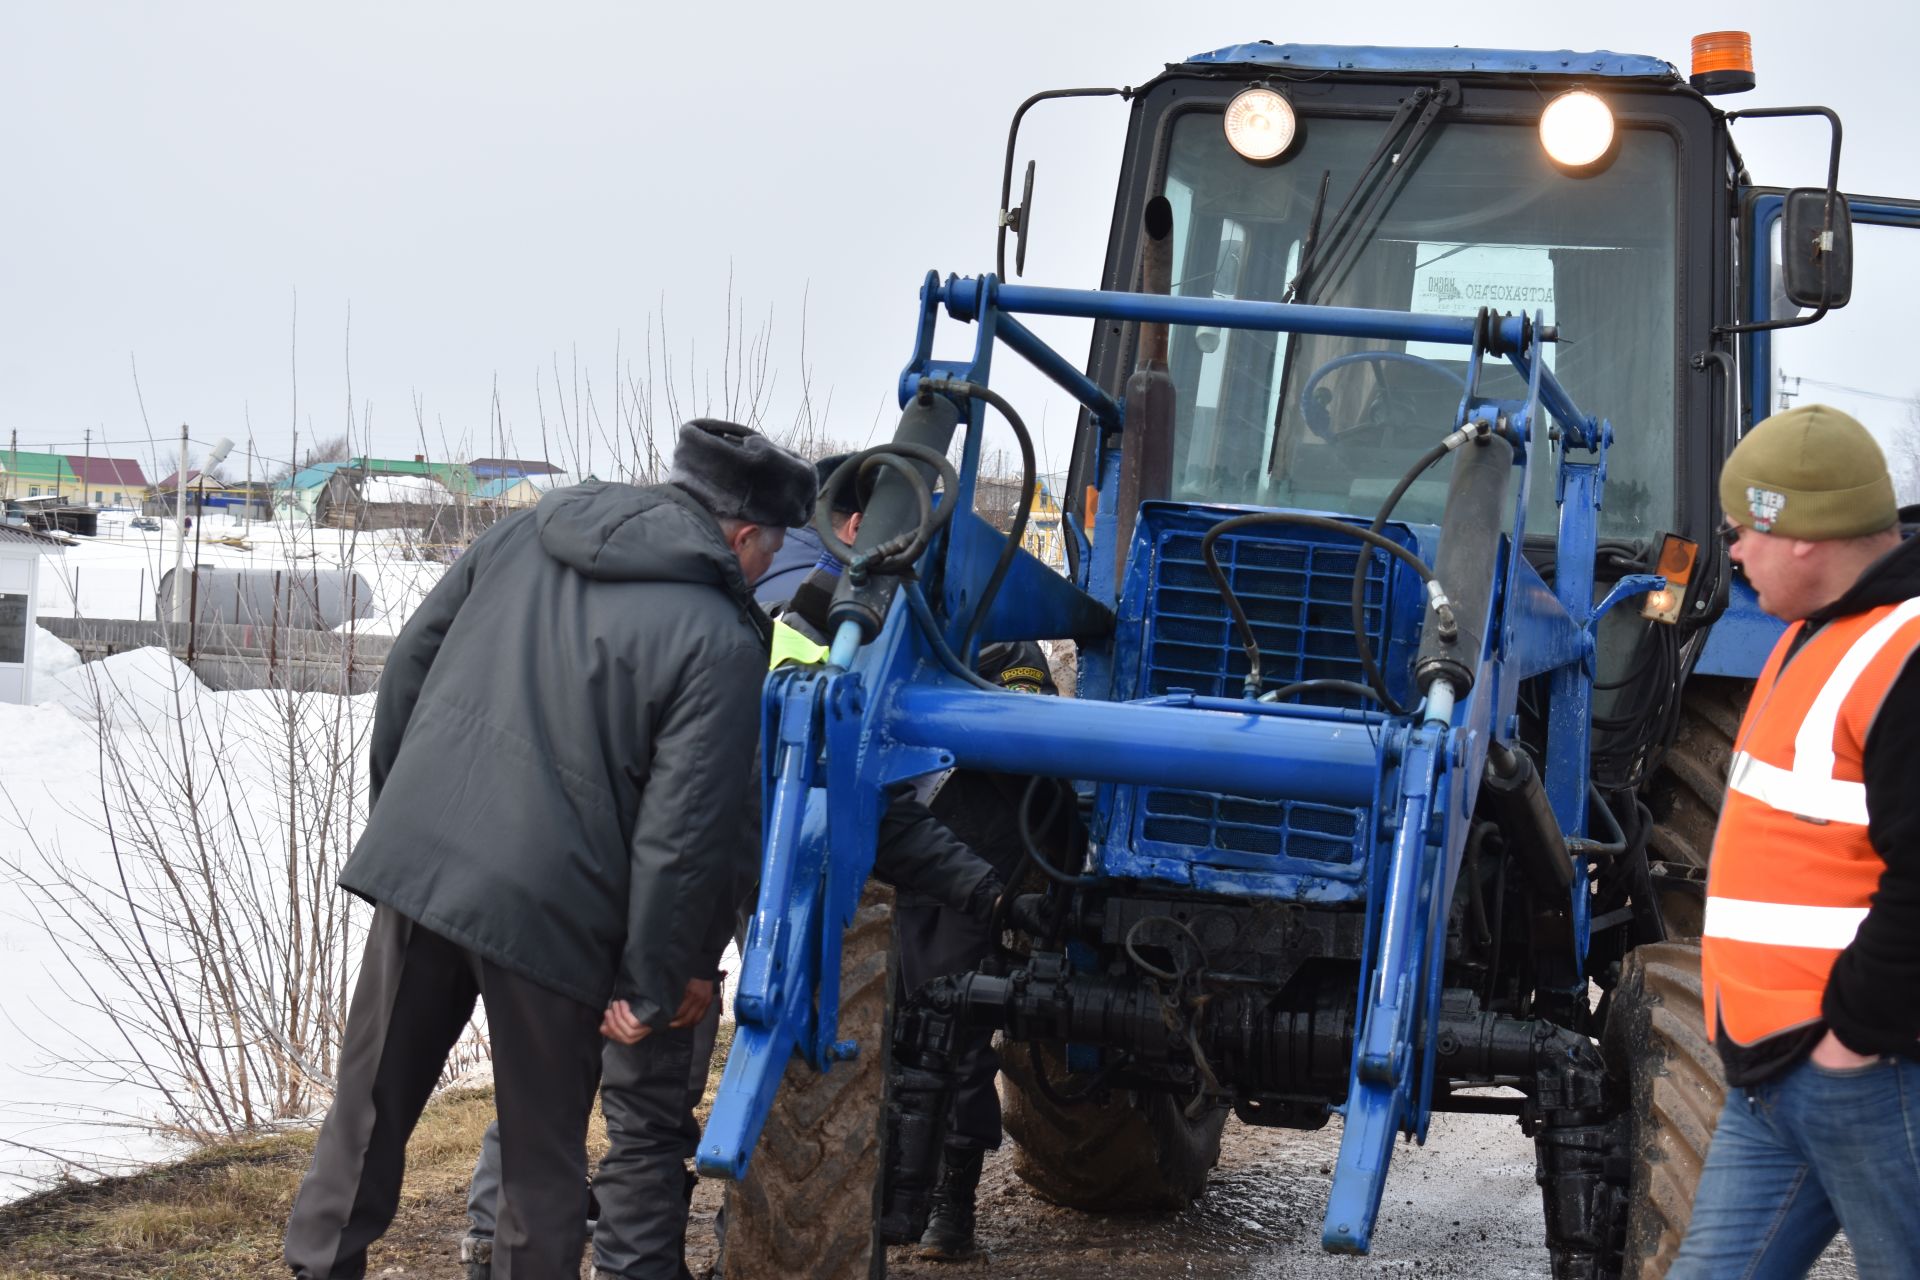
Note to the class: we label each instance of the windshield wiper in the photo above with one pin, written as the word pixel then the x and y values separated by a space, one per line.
pixel 1372 191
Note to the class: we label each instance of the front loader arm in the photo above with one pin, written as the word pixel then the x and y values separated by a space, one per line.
pixel 826 788
pixel 902 707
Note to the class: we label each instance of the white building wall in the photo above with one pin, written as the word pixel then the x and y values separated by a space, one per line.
pixel 19 575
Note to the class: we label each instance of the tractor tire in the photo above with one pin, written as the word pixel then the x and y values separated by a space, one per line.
pixel 1686 791
pixel 810 1203
pixel 1107 1157
pixel 1657 1049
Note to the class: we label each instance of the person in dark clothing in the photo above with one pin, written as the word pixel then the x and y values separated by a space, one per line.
pixel 642 1189
pixel 649 1090
pixel 935 941
pixel 804 555
pixel 557 819
pixel 1810 954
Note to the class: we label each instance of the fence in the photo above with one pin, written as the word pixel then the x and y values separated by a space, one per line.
pixel 240 656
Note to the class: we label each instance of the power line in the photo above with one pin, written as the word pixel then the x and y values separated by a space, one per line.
pixel 1862 392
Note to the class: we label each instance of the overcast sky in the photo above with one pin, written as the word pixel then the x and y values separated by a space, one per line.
pixel 492 190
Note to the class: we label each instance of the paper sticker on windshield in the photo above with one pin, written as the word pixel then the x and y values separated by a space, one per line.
pixel 1766 506
pixel 1459 279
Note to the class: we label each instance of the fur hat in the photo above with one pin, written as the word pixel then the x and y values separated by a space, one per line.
pixel 737 473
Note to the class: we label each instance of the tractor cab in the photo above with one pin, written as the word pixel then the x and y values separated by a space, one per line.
pixel 1555 185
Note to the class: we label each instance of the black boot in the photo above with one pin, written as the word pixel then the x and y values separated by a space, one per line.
pixel 949 1236
pixel 693 1180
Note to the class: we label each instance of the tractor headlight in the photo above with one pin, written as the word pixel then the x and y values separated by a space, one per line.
pixel 1260 124
pixel 1577 129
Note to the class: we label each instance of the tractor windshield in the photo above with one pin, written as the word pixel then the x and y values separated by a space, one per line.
pixel 1480 217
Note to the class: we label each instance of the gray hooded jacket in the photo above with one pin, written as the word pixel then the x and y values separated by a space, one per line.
pixel 559 747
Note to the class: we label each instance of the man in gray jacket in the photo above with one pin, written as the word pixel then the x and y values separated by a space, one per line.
pixel 558 813
pixel 648 1091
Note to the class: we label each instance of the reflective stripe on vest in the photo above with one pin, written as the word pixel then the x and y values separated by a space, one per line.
pixel 1782 924
pixel 791 646
pixel 1793 870
pixel 1824 799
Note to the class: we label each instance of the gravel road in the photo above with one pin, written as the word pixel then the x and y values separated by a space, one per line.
pixel 1463 1205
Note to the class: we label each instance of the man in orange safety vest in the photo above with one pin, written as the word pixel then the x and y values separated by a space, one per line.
pixel 1810 958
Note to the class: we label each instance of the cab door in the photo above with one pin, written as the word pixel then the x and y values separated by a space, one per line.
pixel 1858 358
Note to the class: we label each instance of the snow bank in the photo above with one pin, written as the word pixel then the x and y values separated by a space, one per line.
pixel 251 754
pixel 52 657
pixel 149 687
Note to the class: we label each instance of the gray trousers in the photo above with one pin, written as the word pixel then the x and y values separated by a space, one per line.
pixel 415 994
pixel 647 1092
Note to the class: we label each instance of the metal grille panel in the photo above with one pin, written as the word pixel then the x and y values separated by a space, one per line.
pixel 1296 595
pixel 1294 584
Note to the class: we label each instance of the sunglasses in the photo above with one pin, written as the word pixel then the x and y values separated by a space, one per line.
pixel 1730 531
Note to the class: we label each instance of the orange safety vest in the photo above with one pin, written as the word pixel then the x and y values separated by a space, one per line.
pixel 1792 872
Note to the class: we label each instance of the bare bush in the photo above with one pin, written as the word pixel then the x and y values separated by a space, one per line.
pixel 200 921
pixel 205 926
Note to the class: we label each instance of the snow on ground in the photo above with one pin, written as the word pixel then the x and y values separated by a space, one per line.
pixel 53 1114
pixel 116 574
pixel 421 491
pixel 52 1108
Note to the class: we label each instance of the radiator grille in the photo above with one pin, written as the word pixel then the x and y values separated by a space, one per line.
pixel 1296 595
pixel 1295 584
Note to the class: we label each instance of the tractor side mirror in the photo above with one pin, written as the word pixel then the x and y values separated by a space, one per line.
pixel 1817 256
pixel 1018 220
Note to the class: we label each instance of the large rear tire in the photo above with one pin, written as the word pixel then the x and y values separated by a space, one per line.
pixel 810 1203
pixel 1685 797
pixel 1108 1157
pixel 1656 1046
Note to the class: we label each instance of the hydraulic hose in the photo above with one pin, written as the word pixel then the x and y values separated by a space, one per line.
pixel 897 554
pixel 930 629
pixel 1032 843
pixel 1437 598
pixel 1351 688
pixel 1375 677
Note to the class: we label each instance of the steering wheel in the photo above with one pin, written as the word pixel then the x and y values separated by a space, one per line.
pixel 1315 414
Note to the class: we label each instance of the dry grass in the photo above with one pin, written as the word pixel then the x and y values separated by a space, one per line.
pixel 218 1215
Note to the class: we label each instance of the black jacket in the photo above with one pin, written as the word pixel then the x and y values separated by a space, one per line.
pixel 1872 1001
pixel 557 747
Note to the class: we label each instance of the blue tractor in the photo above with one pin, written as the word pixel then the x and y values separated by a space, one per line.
pixel 1407 659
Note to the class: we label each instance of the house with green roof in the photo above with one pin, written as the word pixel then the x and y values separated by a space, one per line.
pixel 84 479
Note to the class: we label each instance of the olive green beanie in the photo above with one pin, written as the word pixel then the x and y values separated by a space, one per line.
pixel 1811 473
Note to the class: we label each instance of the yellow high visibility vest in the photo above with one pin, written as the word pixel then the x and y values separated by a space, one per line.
pixel 789 645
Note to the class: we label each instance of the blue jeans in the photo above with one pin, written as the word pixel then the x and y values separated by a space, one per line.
pixel 1800 1157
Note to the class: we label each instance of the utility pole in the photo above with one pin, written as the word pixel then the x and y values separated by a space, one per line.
pixel 86 477
pixel 180 531
pixel 1787 397
pixel 246 495
pixel 13 462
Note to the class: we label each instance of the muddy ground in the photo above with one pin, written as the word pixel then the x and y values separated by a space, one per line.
pixel 1463 1206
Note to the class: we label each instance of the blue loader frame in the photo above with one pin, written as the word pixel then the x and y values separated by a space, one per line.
pixel 889 710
